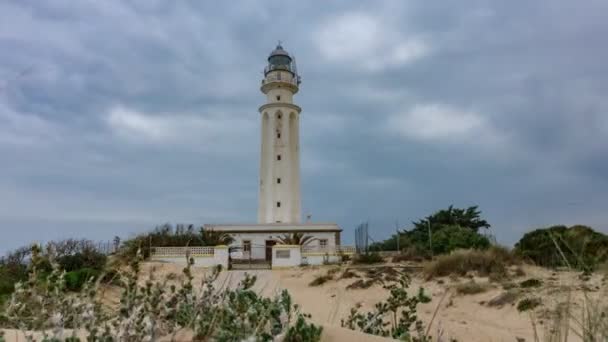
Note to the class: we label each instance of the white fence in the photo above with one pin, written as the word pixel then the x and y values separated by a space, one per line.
pixel 331 250
pixel 181 251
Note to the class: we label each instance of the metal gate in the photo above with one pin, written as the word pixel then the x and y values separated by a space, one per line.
pixel 250 257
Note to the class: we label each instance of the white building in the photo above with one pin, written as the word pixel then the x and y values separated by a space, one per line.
pixel 279 211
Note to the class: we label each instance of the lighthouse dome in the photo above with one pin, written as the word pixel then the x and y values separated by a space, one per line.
pixel 279 57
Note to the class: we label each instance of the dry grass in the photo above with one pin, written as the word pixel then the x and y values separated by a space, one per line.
pixel 320 280
pixel 507 297
pixel 491 262
pixel 471 288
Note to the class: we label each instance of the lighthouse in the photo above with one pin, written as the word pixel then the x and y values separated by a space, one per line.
pixel 279 193
pixel 279 236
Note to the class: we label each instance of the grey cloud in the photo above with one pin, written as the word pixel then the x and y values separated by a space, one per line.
pixel 534 72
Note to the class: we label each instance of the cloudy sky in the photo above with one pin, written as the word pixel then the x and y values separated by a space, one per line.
pixel 116 116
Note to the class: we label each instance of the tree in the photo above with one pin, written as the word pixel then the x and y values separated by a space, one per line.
pixel 296 238
pixel 212 237
pixel 445 230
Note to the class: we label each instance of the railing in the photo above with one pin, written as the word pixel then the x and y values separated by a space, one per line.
pixel 181 251
pixel 287 78
pixel 328 249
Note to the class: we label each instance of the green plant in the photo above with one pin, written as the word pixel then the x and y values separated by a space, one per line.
pixel 393 317
pixel 90 259
pixel 320 280
pixel 75 280
pixel 493 261
pixel 211 237
pixel 297 238
pixel 532 282
pixel 578 247
pixel 470 288
pixel 424 233
pixel 368 258
pixel 155 309
pixel 527 304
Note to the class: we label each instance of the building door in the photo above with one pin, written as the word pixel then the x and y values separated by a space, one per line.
pixel 269 244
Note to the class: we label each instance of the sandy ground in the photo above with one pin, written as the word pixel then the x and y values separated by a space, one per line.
pixel 462 317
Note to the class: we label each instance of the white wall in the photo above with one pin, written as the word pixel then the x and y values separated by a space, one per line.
pixel 219 257
pixel 317 259
pixel 258 241
pixel 279 253
pixel 279 116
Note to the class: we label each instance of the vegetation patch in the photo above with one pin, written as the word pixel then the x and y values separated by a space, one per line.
pixel 320 280
pixel 348 274
pixel 527 304
pixel 152 311
pixel 396 317
pixel 368 258
pixel 493 261
pixel 507 297
pixel 361 284
pixel 470 288
pixel 578 247
pixel 532 282
pixel 442 232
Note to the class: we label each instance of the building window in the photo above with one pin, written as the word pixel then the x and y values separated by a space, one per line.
pixel 278 180
pixel 246 245
pixel 278 135
pixel 279 116
pixel 278 97
pixel 278 157
pixel 323 243
pixel 278 204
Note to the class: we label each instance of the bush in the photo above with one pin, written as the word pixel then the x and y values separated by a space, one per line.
pixel 532 282
pixel 162 236
pixel 396 317
pixel 89 259
pixel 155 311
pixel 75 280
pixel 528 304
pixel 578 247
pixel 368 258
pixel 451 238
pixel 320 280
pixel 491 262
pixel 470 288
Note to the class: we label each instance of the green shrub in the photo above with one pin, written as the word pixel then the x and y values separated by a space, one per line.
pixel 532 282
pixel 527 304
pixel 470 288
pixel 491 262
pixel 451 238
pixel 89 259
pixel 578 247
pixel 320 280
pixel 75 280
pixel 368 258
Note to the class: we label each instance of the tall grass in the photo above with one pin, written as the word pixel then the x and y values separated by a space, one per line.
pixel 590 324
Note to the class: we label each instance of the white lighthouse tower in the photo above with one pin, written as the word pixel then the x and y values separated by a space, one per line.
pixel 279 211
pixel 279 196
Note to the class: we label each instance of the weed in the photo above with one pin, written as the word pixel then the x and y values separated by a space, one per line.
pixel 493 261
pixel 527 304
pixel 392 318
pixel 320 280
pixel 532 282
pixel 368 258
pixel 470 288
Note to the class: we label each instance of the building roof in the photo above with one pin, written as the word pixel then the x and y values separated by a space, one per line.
pixel 275 227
